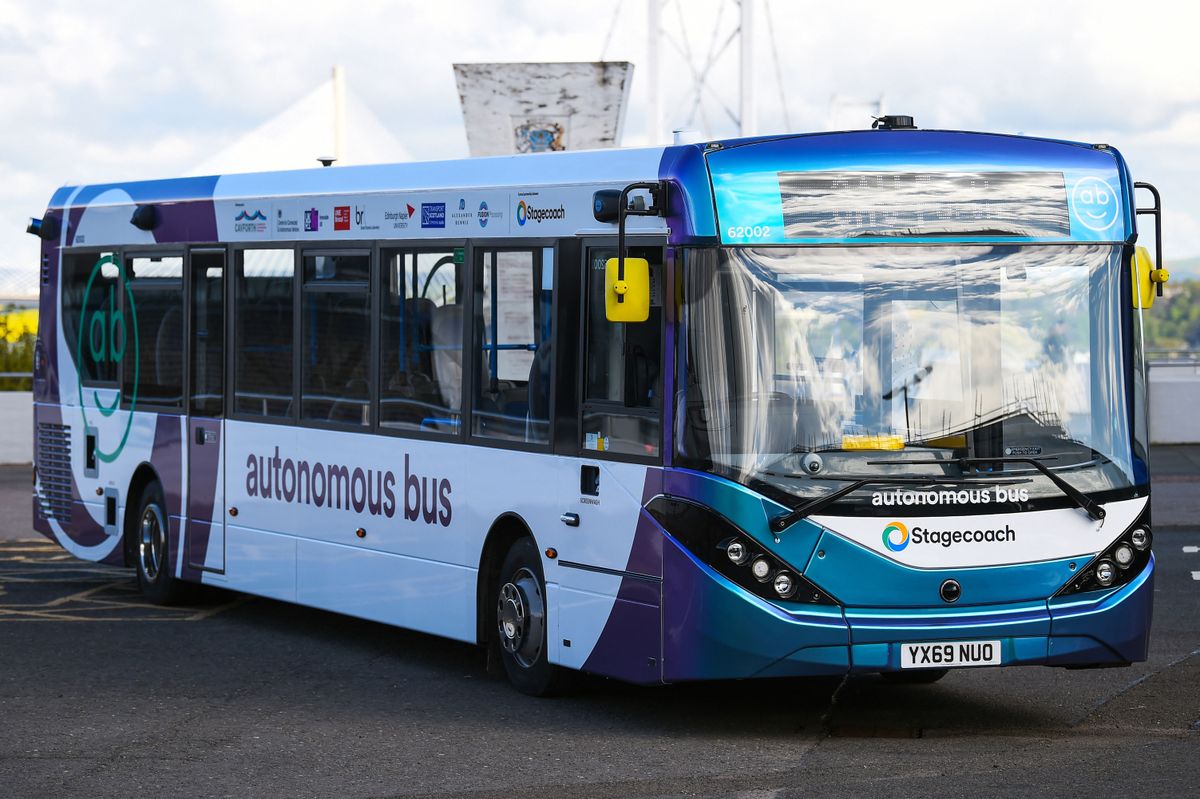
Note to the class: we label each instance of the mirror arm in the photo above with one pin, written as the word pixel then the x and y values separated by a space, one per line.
pixel 658 207
pixel 1156 212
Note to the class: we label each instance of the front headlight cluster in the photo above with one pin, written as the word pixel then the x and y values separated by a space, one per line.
pixel 1117 565
pixel 733 553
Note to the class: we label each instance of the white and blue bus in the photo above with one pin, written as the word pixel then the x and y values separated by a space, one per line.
pixel 876 403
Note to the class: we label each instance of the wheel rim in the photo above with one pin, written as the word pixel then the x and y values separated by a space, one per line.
pixel 153 544
pixel 521 617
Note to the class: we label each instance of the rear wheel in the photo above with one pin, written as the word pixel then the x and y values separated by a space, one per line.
pixel 152 547
pixel 914 676
pixel 520 624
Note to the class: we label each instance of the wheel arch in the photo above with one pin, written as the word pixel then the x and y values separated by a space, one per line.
pixel 143 476
pixel 506 530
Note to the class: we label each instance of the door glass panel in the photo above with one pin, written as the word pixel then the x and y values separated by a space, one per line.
pixel 208 333
pixel 514 332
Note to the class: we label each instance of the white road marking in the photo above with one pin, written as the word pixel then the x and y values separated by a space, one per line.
pixel 1196 575
pixel 1191 550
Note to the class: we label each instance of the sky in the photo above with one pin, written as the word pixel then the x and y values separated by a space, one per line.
pixel 133 89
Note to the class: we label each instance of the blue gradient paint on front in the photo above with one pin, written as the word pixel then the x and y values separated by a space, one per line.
pixel 747 195
pixel 862 578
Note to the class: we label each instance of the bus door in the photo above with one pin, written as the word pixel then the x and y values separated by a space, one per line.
pixel 617 580
pixel 206 402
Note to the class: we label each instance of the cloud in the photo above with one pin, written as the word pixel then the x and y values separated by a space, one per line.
pixel 135 88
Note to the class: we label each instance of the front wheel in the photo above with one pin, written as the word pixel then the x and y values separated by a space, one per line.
pixel 520 624
pixel 152 545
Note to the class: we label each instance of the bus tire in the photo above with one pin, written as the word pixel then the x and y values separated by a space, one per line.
pixel 519 623
pixel 153 557
pixel 914 677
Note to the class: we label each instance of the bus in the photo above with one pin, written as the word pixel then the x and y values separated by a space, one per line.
pixel 802 405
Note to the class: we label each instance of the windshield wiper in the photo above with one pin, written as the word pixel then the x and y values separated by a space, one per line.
pixel 1093 509
pixel 786 520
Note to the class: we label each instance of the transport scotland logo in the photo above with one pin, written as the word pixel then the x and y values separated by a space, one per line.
pixel 895 536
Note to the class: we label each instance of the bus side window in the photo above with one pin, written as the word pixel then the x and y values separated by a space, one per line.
pixel 157 287
pixel 262 340
pixel 514 291
pixel 421 341
pixel 622 400
pixel 102 338
pixel 336 338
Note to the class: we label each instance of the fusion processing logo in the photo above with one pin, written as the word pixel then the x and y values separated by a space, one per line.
pixel 105 331
pixel 483 214
pixel 522 213
pixel 895 536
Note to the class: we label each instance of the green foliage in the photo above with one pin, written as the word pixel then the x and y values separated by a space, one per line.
pixel 1174 321
pixel 16 354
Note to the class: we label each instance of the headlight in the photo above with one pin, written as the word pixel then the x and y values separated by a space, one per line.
pixel 785 586
pixel 761 569
pixel 1105 573
pixel 736 552
pixel 1123 555
pixel 1140 538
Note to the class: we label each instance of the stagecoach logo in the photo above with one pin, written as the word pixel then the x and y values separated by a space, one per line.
pixel 527 212
pixel 897 537
pixel 1095 204
pixel 249 221
pixel 105 331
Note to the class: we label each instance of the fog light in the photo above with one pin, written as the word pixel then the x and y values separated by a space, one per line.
pixel 1123 555
pixel 761 569
pixel 736 551
pixel 1105 573
pixel 785 585
pixel 1140 538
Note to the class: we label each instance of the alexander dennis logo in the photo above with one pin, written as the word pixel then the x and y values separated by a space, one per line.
pixel 895 536
pixel 105 331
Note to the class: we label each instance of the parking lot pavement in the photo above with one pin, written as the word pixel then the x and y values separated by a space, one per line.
pixel 104 695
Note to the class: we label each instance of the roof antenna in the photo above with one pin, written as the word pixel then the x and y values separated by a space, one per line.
pixel 893 122
pixel 326 160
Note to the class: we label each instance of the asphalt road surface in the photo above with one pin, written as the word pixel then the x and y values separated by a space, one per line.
pixel 104 695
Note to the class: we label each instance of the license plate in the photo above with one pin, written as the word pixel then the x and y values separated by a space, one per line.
pixel 949 654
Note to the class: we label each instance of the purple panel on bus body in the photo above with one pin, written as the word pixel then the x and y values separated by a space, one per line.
pixel 194 221
pixel 204 464
pixel 45 359
pixel 167 460
pixel 690 214
pixel 630 643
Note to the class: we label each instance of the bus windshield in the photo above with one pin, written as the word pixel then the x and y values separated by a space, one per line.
pixel 802 368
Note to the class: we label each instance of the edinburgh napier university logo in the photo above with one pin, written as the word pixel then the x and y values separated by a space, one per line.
pixel 104 333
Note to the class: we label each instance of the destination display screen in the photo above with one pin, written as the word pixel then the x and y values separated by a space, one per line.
pixel 848 204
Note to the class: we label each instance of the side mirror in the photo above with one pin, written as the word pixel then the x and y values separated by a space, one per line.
pixel 627 298
pixel 1146 279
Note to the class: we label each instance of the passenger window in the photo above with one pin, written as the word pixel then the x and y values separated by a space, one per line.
pixel 336 339
pixel 622 400
pixel 154 362
pixel 98 345
pixel 208 333
pixel 421 341
pixel 513 344
pixel 263 333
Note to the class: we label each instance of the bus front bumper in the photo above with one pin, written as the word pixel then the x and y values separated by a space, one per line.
pixel 713 629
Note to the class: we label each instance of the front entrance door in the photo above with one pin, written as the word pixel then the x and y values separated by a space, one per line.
pixel 206 404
